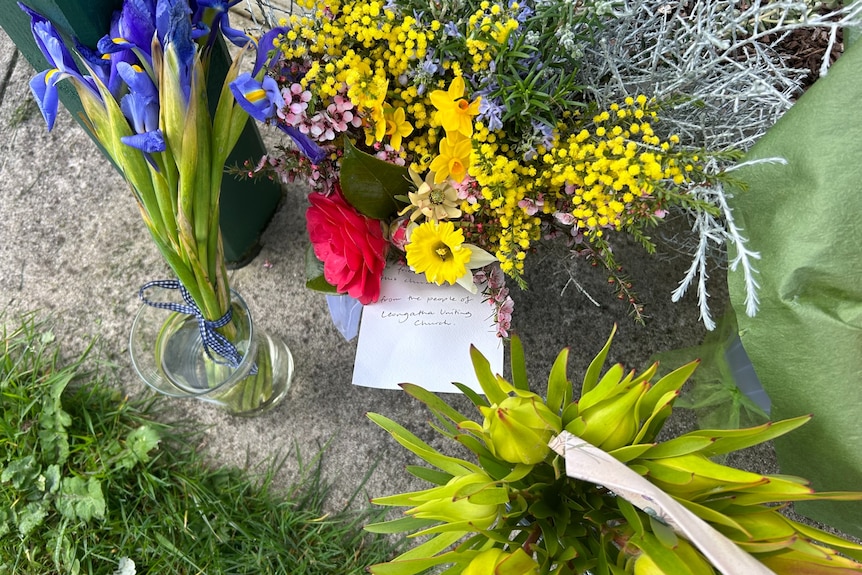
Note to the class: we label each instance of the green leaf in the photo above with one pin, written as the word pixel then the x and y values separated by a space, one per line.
pixel 399 525
pixel 734 440
pixel 477 399
pixel 31 516
pixel 139 443
pixel 433 402
pixel 665 559
pixel 682 445
pixel 314 273
pixel 20 472
pixel 81 500
pixel 559 388
pixel 448 464
pixel 671 382
pixel 591 377
pixel 630 513
pixel 486 378
pixel 430 475
pixel 662 530
pixel 370 184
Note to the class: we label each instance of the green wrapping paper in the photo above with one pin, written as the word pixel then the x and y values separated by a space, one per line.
pixel 805 219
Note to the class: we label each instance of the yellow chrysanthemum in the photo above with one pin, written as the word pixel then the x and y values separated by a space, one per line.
pixel 455 113
pixel 454 159
pixel 436 249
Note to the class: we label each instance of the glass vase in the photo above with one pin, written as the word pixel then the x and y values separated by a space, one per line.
pixel 168 354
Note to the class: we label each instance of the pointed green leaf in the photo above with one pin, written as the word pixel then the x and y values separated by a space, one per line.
pixel 486 377
pixel 433 401
pixel 591 377
pixel 448 464
pixel 370 184
pixel 477 399
pixel 727 442
pixel 631 515
pixel 399 525
pixel 430 475
pixel 609 385
pixel 630 452
pixel 682 445
pixel 671 382
pixel 665 559
pixel 559 388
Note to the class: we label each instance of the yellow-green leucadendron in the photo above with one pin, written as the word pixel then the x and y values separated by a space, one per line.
pixel 512 510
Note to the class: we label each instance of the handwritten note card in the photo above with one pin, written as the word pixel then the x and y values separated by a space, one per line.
pixel 421 333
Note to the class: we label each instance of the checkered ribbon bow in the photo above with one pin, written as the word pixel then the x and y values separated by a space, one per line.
pixel 213 341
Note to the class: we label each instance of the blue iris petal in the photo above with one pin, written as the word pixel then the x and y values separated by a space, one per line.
pixel 44 84
pixel 174 29
pixel 44 88
pixel 148 142
pixel 214 14
pixel 305 144
pixel 259 99
pixel 264 47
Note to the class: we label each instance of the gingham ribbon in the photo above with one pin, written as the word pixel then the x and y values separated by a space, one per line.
pixel 213 341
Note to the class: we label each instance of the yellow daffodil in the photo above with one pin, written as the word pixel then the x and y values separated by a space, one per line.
pixel 396 125
pixel 436 249
pixel 455 113
pixel 377 125
pixel 432 200
pixel 454 159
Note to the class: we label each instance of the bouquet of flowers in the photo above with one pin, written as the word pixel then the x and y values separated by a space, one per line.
pixel 512 507
pixel 145 99
pixel 455 135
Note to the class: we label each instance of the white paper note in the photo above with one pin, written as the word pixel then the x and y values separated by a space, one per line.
pixel 421 333
pixel 589 463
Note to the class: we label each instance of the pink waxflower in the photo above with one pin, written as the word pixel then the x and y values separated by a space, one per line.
pixel 342 114
pixel 350 245
pixel 504 317
pixel 296 100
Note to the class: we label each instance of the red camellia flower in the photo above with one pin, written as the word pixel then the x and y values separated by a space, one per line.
pixel 350 245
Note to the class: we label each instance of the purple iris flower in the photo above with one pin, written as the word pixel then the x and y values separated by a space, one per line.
pixel 141 108
pixel 305 144
pixel 264 47
pixel 212 16
pixel 174 28
pixel 44 84
pixel 261 99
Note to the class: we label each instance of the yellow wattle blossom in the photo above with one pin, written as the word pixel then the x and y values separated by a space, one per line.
pixel 436 249
pixel 453 160
pixel 397 126
pixel 455 113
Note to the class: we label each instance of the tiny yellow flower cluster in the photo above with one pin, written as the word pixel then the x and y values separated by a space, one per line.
pixel 601 173
pixel 610 167
pixel 504 183
pixel 359 48
pixel 489 29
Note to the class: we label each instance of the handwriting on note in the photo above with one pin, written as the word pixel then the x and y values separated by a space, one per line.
pixel 421 333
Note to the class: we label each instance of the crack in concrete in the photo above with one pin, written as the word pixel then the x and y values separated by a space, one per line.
pixel 8 75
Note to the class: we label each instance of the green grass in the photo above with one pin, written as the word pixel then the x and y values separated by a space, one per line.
pixel 88 478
